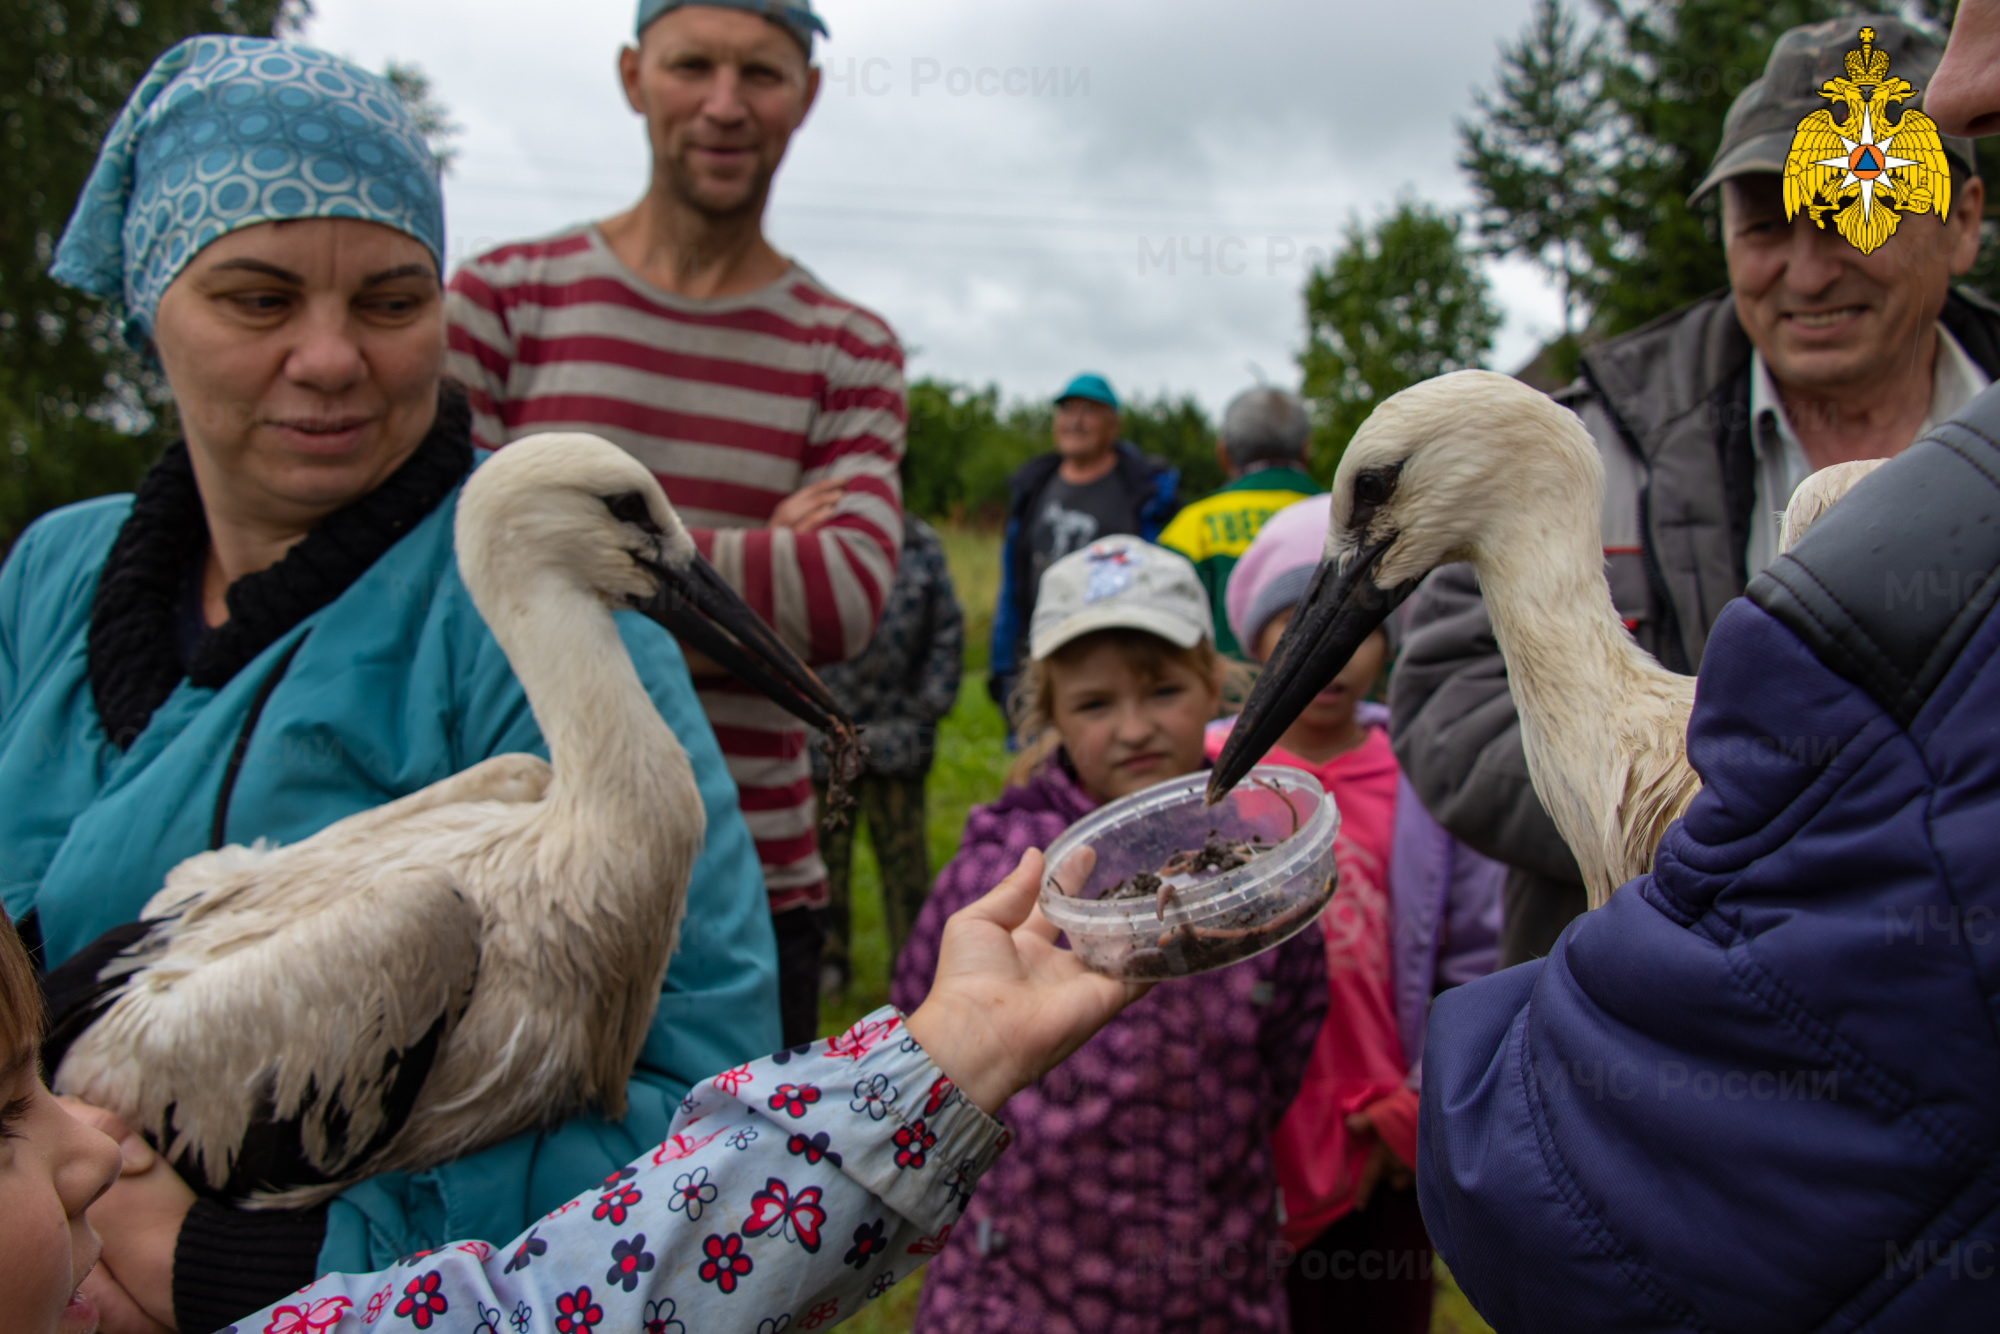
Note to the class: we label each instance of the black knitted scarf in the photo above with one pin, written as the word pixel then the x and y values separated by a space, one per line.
pixel 134 661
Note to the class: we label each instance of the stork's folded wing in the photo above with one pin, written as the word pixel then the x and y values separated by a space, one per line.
pixel 341 1000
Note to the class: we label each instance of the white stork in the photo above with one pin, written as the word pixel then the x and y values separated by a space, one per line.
pixel 479 957
pixel 1474 466
pixel 1819 493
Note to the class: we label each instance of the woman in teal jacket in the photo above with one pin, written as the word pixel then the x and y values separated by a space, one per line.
pixel 272 635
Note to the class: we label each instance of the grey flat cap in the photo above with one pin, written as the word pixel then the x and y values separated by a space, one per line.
pixel 1758 131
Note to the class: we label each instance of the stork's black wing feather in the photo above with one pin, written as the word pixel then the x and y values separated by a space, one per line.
pixel 76 995
pixel 272 1156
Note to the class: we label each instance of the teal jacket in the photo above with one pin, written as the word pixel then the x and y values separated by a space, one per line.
pixel 397 685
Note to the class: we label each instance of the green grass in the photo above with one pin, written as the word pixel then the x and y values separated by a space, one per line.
pixel 971 765
pixel 1452 1313
pixel 972 554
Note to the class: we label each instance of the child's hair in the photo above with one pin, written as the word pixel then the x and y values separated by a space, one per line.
pixel 20 998
pixel 1032 705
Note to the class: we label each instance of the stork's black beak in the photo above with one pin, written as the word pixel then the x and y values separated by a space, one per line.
pixel 1340 609
pixel 702 611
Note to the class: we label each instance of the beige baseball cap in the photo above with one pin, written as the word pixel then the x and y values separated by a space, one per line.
pixel 1119 583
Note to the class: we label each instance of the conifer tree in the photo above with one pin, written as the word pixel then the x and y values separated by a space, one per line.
pixel 1675 68
pixel 1539 153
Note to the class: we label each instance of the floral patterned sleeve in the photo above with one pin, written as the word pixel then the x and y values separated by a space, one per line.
pixel 790 1192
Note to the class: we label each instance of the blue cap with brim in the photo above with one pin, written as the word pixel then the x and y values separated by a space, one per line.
pixel 794 16
pixel 1091 386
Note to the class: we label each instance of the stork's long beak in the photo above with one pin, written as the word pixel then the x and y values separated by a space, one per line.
pixel 1340 609
pixel 697 607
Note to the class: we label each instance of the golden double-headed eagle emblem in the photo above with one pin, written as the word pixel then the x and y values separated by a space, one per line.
pixel 1866 170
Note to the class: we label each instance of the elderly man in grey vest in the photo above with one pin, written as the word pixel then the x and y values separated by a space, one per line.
pixel 1706 420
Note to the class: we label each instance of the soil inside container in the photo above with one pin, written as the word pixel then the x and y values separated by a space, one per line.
pixel 1213 855
pixel 1187 948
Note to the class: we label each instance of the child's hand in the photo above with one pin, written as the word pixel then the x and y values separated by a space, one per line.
pixel 1383 1162
pixel 1007 1005
pixel 139 1219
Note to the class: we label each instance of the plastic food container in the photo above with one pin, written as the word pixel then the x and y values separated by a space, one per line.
pixel 1205 918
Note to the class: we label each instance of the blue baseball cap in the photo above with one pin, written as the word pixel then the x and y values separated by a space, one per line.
pixel 1092 386
pixel 794 16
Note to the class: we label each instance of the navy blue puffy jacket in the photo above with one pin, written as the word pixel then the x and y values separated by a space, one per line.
pixel 1759 1090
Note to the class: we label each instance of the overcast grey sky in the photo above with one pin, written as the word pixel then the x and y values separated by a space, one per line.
pixel 1003 182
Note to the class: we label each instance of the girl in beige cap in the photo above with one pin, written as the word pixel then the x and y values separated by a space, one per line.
pixel 1139 1192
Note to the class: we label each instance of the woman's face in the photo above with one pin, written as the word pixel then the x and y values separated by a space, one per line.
pixel 51 1168
pixel 1125 730
pixel 304 359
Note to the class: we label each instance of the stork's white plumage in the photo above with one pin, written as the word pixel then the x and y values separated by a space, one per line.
pixel 1474 466
pixel 484 955
pixel 1819 493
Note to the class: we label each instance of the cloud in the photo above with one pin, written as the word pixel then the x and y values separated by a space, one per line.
pixel 1136 186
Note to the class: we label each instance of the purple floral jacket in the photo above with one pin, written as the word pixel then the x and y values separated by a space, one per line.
pixel 1139 1192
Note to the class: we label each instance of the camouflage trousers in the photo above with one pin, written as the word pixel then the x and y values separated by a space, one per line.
pixel 894 810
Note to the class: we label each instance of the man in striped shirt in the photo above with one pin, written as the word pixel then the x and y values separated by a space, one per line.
pixel 771 409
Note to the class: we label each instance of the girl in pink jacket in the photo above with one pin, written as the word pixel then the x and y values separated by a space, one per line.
pixel 1415 911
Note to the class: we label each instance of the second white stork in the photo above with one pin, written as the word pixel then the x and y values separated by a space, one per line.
pixel 1819 493
pixel 481 956
pixel 1474 466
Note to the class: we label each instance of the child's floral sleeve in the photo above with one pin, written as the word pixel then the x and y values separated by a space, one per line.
pixel 791 1192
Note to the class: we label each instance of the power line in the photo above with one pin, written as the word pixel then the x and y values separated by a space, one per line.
pixel 787 187
pixel 915 217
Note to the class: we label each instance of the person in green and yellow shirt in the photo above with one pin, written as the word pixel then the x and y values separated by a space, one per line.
pixel 1263 448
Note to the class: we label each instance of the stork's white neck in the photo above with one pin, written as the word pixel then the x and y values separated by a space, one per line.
pixel 1576 676
pixel 607 742
pixel 1553 615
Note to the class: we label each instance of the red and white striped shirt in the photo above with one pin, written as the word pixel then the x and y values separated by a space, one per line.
pixel 734 403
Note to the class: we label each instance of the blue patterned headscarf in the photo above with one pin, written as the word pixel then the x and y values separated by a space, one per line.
pixel 794 16
pixel 224 132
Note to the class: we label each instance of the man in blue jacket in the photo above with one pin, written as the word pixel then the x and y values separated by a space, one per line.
pixel 1760 1089
pixel 1093 485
